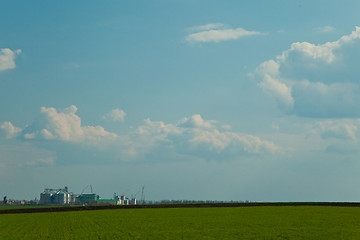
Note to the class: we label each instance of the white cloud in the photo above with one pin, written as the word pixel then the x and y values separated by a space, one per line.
pixel 317 52
pixel 220 141
pixel 196 121
pixel 316 80
pixel 207 27
pixel 115 115
pixel 10 130
pixel 280 91
pixel 193 135
pixel 270 68
pixel 338 129
pixel 65 126
pixel 97 134
pixel 30 135
pixel 7 58
pixel 217 33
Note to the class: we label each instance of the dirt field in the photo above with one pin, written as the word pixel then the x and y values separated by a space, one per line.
pixel 189 205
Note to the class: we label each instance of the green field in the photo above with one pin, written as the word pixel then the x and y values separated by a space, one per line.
pixel 187 223
pixel 5 207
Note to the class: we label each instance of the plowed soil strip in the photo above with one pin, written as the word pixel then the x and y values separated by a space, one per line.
pixel 188 205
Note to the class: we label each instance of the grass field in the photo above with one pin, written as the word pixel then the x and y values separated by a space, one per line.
pixel 187 223
pixel 5 207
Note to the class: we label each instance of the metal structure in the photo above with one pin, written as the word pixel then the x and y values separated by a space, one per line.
pixel 59 196
pixel 87 199
pixel 62 196
pixel 86 188
pixel 142 201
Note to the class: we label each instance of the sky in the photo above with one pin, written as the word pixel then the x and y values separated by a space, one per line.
pixel 192 99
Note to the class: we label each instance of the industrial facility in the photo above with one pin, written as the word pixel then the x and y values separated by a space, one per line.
pixel 62 196
pixel 59 196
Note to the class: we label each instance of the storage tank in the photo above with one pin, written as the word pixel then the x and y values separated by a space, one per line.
pixel 60 198
pixel 67 198
pixel 45 198
pixel 73 198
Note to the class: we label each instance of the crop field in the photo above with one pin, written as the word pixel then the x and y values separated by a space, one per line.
pixel 265 222
pixel 8 207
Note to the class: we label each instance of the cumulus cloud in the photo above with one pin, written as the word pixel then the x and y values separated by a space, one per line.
pixel 10 130
pixel 216 33
pixel 65 126
pixel 338 129
pixel 7 58
pixel 196 121
pixel 62 132
pixel 278 90
pixel 311 51
pixel 115 115
pixel 194 133
pixel 313 80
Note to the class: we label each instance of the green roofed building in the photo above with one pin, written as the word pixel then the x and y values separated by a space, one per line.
pixel 87 199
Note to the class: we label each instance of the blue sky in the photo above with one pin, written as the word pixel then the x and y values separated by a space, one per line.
pixel 207 100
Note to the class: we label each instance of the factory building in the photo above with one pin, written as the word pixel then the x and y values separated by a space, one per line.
pixel 132 201
pixel 87 199
pixel 59 196
pixel 117 200
pixel 62 196
pixel 107 202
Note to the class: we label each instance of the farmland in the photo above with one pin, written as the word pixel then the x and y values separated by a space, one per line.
pixel 264 222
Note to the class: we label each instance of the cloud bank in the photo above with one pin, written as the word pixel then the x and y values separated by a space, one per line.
pixel 62 131
pixel 312 80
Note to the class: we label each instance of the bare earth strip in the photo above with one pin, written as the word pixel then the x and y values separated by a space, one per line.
pixel 188 205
